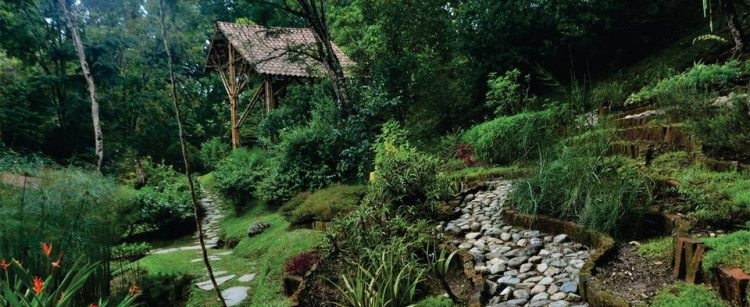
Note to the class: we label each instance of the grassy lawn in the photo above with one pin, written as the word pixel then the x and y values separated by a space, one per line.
pixel 264 254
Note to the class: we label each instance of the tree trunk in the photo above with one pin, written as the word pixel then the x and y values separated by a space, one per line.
pixel 316 18
pixel 735 28
pixel 183 147
pixel 98 137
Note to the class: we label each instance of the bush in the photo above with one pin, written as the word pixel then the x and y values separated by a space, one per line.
pixel 518 137
pixel 581 184
pixel 167 207
pixel 164 290
pixel 325 204
pixel 213 151
pixel 699 78
pixel 390 281
pixel 731 250
pixel 687 295
pixel 130 251
pixel 406 178
pixel 724 126
pixel 509 93
pixel 237 176
pixel 301 264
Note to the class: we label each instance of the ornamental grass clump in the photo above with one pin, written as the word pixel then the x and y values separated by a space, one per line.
pixel 61 286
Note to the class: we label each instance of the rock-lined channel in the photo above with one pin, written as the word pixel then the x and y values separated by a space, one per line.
pixel 523 267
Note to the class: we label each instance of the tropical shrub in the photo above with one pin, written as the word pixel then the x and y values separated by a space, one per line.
pixel 213 151
pixel 236 177
pixel 62 286
pixel 325 204
pixel 388 282
pixel 302 263
pixel 518 137
pixel 165 207
pixel 508 94
pixel 406 178
pixel 724 126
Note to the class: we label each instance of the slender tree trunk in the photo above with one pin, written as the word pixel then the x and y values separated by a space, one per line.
pixel 178 117
pixel 315 14
pixel 98 137
pixel 735 27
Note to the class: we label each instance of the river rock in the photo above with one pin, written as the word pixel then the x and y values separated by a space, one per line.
pixel 256 228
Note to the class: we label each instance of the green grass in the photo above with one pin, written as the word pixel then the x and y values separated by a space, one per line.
pixel 732 250
pixel 484 173
pixel 687 295
pixel 658 248
pixel 714 195
pixel 435 301
pixel 264 254
pixel 324 204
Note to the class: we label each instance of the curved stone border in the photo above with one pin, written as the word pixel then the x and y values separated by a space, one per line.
pixel 591 289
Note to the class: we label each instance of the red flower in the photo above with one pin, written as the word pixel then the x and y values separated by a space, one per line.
pixel 47 248
pixel 93 305
pixel 38 285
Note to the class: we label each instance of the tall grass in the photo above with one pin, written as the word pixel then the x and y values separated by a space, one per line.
pixel 73 209
pixel 577 181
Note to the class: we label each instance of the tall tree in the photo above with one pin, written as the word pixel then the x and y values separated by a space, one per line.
pixel 183 147
pixel 98 137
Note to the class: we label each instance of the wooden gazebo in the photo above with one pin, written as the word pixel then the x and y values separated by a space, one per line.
pixel 278 55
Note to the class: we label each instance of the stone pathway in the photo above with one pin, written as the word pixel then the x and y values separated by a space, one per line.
pixel 523 267
pixel 210 224
pixel 213 216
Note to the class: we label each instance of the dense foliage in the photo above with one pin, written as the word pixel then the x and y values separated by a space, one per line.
pixel 517 137
pixel 238 175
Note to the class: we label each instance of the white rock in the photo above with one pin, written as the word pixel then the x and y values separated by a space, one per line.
pixel 234 295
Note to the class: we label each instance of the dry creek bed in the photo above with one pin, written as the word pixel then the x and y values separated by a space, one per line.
pixel 523 267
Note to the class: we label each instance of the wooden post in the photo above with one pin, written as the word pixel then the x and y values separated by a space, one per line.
pixel 233 91
pixel 269 95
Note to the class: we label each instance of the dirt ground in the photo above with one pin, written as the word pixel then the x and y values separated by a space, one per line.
pixel 634 277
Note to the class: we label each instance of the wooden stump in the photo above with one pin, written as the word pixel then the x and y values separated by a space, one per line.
pixel 733 285
pixel 686 263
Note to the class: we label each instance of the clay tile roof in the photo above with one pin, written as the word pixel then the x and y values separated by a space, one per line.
pixel 275 51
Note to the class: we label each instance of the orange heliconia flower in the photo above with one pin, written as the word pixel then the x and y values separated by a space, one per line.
pixel 47 248
pixel 134 290
pixel 4 265
pixel 38 285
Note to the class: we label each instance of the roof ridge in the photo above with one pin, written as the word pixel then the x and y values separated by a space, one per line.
pixel 261 26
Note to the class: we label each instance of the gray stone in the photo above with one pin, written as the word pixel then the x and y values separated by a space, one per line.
pixel 558 296
pixel 546 281
pixel 541 267
pixel 558 303
pixel 539 297
pixel 525 267
pixel 521 294
pixel 569 287
pixel 553 289
pixel 207 285
pixel 473 235
pixel 505 236
pixel 256 228
pixel 234 295
pixel 508 280
pixel 497 268
pixel 537 289
pixel 246 277
pixel 516 302
pixel 539 303
pixel 517 261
